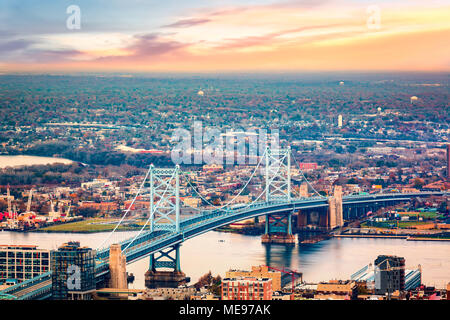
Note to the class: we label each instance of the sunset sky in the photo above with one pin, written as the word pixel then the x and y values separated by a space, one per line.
pixel 224 35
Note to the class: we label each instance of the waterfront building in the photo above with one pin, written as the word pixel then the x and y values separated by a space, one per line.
pixel 247 288
pixel 366 275
pixel 389 274
pixel 73 274
pixel 336 290
pixel 258 272
pixel 22 262
pixel 180 293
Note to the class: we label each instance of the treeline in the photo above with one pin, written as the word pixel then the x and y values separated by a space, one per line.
pixel 45 174
pixel 103 157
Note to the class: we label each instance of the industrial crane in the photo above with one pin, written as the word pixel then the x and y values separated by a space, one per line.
pixel 292 273
pixel 8 196
pixel 30 196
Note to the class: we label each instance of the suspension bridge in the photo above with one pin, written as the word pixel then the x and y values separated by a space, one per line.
pixel 160 237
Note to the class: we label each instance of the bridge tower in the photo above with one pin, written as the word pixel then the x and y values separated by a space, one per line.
pixel 165 199
pixel 165 215
pixel 335 209
pixel 278 227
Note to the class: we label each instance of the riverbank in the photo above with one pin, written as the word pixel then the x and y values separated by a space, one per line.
pixel 406 237
pixel 369 236
pixel 249 231
pixel 426 239
pixel 93 225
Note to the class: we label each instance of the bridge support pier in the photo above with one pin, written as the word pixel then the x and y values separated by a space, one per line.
pixel 167 259
pixel 117 268
pixel 278 229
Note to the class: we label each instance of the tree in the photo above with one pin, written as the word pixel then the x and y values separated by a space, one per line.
pixel 88 212
pixel 212 283
pixel 418 183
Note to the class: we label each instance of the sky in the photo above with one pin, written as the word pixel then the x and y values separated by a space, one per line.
pixel 224 35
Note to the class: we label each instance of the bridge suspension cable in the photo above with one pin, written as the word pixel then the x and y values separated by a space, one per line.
pixel 235 197
pixel 126 211
pixel 219 208
pixel 304 177
pixel 150 216
pixel 143 227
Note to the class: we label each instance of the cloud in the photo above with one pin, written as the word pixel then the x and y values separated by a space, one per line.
pixel 146 46
pixel 270 38
pixel 183 23
pixel 153 45
pixel 14 45
pixel 22 50
pixel 41 56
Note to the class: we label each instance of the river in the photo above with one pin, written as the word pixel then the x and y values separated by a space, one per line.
pixel 17 161
pixel 326 260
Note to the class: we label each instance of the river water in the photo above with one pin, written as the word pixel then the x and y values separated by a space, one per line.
pixel 16 161
pixel 326 260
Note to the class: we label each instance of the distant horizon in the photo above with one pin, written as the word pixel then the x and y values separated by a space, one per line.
pixel 199 36
pixel 242 72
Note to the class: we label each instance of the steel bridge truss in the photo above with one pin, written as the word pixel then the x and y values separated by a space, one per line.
pixel 278 174
pixel 166 258
pixel 278 223
pixel 165 199
pixel 278 188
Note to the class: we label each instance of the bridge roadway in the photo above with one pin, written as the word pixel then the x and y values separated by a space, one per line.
pixel 152 242
pixel 35 288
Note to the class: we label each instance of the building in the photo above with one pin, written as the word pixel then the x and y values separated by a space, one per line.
pixel 308 165
pixel 337 290
pixel 96 183
pixel 366 275
pixel 212 167
pixel 100 206
pixel 73 274
pixel 192 201
pixel 247 288
pixel 448 161
pixel 389 274
pixel 137 205
pixel 241 199
pixel 181 293
pixel 340 121
pixel 448 291
pixel 22 262
pixel 258 272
